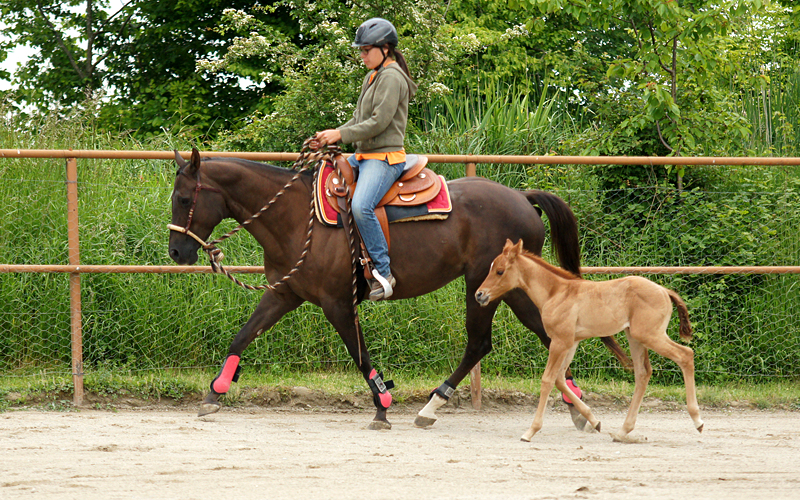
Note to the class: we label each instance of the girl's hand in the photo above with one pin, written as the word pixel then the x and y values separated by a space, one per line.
pixel 330 136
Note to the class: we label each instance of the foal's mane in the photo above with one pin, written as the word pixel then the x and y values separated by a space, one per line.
pixel 550 267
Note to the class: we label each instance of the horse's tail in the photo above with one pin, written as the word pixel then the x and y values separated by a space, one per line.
pixel 563 228
pixel 566 244
pixel 685 327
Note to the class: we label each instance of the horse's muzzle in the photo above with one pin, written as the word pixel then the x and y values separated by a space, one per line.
pixel 482 298
pixel 183 253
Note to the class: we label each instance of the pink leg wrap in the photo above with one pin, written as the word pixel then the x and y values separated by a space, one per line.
pixel 382 394
pixel 386 399
pixel 575 389
pixel 222 383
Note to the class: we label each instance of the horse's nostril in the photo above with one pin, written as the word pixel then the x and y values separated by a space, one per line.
pixel 174 254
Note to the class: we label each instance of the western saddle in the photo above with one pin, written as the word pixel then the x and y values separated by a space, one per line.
pixel 416 186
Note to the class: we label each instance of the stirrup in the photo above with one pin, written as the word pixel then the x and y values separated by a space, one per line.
pixel 386 289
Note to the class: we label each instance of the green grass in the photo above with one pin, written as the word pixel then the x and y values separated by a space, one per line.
pixel 107 390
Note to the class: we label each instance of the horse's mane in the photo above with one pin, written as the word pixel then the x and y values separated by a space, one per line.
pixel 558 271
pixel 263 168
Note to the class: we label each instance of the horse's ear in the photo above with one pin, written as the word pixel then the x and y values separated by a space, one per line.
pixel 179 160
pixel 193 164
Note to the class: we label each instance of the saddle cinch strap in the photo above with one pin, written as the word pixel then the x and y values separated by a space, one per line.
pixel 418 185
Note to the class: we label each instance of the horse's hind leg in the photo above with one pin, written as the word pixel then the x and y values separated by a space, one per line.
pixel 340 314
pixel 528 314
pixel 479 344
pixel 272 307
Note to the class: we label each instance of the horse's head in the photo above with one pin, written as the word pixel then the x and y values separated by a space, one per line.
pixel 503 275
pixel 196 209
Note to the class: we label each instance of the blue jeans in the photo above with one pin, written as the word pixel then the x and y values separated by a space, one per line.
pixel 375 177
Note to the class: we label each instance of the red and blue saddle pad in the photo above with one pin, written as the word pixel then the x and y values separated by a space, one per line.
pixel 437 209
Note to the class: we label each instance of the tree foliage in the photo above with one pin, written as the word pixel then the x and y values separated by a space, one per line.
pixel 137 62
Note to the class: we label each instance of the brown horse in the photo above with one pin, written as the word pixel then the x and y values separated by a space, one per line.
pixel 574 309
pixel 425 255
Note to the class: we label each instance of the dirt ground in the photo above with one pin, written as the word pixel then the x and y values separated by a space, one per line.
pixel 162 452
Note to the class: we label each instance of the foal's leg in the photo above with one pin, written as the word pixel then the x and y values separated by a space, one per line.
pixel 642 370
pixel 684 357
pixel 578 407
pixel 479 344
pixel 528 314
pixel 272 307
pixel 555 365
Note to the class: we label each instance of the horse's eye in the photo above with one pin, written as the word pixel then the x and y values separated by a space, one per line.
pixel 185 202
pixel 500 272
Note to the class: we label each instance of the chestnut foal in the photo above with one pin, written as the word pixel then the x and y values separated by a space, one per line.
pixel 574 309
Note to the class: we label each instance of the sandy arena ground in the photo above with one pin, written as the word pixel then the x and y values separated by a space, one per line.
pixel 163 453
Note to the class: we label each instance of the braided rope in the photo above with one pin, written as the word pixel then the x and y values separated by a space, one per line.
pixel 306 158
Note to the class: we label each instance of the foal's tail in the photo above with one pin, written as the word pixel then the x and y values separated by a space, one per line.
pixel 566 244
pixel 563 228
pixel 683 314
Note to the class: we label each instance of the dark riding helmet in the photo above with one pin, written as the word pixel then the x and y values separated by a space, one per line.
pixel 376 32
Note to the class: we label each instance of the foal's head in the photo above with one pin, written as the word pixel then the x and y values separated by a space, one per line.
pixel 503 276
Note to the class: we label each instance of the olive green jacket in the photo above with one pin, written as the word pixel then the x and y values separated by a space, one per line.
pixel 379 121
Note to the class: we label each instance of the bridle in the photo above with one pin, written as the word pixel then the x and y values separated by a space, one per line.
pixel 185 230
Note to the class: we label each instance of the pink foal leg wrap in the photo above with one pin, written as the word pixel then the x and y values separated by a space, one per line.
pixel 575 389
pixel 222 383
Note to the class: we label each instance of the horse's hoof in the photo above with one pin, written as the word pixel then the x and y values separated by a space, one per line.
pixel 578 420
pixel 208 409
pixel 379 425
pixel 700 429
pixel 423 422
pixel 526 438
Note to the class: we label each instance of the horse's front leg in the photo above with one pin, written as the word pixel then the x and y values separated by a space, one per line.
pixel 272 307
pixel 479 344
pixel 342 317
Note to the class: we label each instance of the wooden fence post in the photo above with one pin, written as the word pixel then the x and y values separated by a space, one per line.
pixel 76 328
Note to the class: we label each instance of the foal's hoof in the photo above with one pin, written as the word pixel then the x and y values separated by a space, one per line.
pixel 379 425
pixel 423 422
pixel 208 409
pixel 700 428
pixel 578 420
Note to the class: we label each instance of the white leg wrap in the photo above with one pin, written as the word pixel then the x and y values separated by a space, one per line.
pixel 434 404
